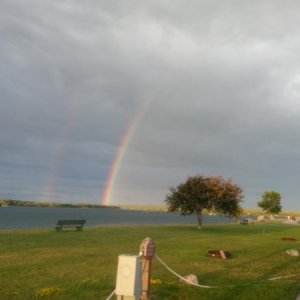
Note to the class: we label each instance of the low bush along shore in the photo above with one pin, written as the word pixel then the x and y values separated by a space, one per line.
pixel 82 265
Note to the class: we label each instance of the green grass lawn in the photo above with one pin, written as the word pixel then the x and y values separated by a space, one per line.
pixel 44 264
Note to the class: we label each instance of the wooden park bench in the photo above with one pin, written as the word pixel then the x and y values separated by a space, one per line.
pixel 69 223
pixel 245 222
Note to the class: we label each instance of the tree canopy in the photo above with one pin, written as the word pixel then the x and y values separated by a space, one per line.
pixel 199 193
pixel 271 202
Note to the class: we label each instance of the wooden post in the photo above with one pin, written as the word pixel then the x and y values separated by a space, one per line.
pixel 147 252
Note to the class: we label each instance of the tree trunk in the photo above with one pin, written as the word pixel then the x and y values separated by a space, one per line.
pixel 199 218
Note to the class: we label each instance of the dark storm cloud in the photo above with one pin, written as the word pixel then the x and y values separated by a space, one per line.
pixel 223 77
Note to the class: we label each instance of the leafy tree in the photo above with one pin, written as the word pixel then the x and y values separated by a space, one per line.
pixel 199 193
pixel 271 202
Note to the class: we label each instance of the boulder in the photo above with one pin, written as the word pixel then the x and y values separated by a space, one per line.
pixel 260 218
pixel 292 252
pixel 189 279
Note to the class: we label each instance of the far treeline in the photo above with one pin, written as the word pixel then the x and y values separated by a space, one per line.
pixel 9 202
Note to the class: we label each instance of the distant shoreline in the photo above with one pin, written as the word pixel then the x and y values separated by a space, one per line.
pixel 144 207
pixel 137 207
pixel 9 202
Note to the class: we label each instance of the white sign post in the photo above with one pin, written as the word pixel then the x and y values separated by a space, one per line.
pixel 129 285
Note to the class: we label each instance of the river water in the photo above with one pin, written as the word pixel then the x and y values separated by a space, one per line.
pixel 19 217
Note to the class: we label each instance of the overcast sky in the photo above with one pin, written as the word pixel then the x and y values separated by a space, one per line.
pixel 222 79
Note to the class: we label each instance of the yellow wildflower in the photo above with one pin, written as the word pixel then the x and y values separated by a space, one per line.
pixel 156 281
pixel 49 291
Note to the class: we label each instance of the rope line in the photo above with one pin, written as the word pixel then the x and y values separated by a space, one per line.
pixel 176 274
pixel 110 296
pixel 287 276
pixel 212 286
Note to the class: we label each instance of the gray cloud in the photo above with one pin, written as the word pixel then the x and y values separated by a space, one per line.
pixel 223 79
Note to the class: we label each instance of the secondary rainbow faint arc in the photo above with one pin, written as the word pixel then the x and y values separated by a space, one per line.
pixel 106 199
pixel 58 155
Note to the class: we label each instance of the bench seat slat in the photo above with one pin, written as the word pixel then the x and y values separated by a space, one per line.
pixel 69 223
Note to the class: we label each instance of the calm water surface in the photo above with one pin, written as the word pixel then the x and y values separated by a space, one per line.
pixel 17 217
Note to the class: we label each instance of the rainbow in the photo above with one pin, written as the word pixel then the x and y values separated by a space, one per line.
pixel 59 154
pixel 107 194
